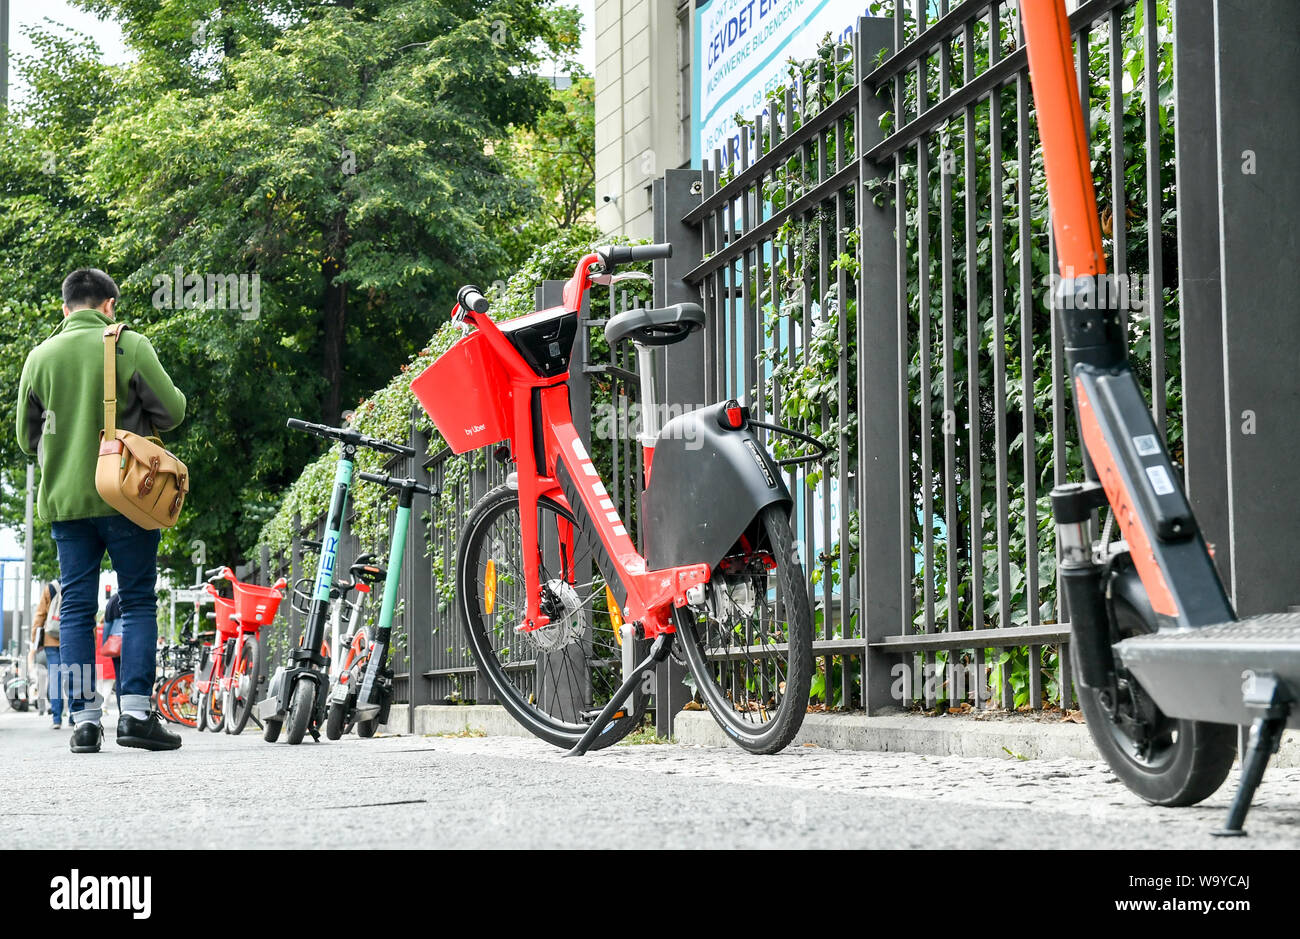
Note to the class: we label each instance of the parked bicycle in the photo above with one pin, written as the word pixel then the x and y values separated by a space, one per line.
pixel 174 688
pixel 720 580
pixel 228 688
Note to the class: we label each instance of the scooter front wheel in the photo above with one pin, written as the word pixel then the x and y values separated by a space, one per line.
pixel 300 710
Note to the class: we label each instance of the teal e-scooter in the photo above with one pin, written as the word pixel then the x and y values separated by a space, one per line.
pixel 363 688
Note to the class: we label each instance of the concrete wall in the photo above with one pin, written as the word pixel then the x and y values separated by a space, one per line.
pixel 638 109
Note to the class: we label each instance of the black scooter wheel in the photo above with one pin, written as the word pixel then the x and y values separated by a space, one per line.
pixel 300 710
pixel 1181 763
pixel 334 723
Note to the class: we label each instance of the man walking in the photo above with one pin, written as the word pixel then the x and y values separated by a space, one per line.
pixel 59 417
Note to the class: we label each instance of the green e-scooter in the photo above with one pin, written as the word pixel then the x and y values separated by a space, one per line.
pixel 363 688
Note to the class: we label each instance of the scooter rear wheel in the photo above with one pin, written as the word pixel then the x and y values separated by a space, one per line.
pixel 334 722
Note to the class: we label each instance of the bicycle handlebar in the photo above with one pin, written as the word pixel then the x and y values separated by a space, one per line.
pixel 397 483
pixel 350 436
pixel 471 298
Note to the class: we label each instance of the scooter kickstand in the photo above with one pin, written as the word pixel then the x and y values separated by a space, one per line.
pixel 658 652
pixel 1266 695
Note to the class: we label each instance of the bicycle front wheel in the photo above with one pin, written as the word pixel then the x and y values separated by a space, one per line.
pixel 749 644
pixel 244 696
pixel 180 694
pixel 552 680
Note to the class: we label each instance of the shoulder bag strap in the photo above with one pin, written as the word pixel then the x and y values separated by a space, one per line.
pixel 110 379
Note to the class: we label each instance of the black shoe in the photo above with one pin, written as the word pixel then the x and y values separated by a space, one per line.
pixel 86 738
pixel 147 734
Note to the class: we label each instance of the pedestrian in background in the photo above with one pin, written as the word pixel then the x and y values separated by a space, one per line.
pixel 45 649
pixel 111 641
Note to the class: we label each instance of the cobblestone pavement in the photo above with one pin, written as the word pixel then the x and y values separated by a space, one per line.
pixel 445 792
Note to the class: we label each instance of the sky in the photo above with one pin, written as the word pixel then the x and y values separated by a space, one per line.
pixel 109 37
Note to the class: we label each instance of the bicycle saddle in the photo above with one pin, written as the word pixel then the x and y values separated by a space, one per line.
pixel 661 327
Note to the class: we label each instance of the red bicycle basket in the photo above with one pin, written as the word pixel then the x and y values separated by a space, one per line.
pixel 225 610
pixel 463 392
pixel 255 605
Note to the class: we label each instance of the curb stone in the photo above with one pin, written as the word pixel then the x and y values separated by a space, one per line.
pixel 909 733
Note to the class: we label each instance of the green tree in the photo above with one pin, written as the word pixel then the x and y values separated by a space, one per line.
pixel 557 159
pixel 346 154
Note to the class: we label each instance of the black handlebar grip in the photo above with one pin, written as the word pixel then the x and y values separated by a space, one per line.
pixel 317 429
pixel 630 254
pixel 374 478
pixel 471 298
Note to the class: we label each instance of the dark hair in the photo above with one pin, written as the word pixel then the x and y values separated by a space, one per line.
pixel 88 287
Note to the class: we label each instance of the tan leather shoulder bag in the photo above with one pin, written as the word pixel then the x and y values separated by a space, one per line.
pixel 136 475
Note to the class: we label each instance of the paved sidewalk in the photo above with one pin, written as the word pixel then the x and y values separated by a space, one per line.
pixel 443 792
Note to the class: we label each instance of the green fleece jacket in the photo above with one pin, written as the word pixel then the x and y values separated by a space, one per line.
pixel 61 409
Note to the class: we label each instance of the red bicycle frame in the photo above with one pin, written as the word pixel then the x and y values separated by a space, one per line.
pixel 542 439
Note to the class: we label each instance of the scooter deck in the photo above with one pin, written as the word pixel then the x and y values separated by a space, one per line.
pixel 1201 674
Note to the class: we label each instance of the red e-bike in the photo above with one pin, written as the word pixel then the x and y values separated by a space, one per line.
pixel 228 687
pixel 720 581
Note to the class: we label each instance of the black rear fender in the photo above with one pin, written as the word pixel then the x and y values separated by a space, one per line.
pixel 708 483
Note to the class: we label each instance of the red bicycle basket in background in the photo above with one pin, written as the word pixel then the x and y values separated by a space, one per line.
pixel 255 605
pixel 225 610
pixel 463 392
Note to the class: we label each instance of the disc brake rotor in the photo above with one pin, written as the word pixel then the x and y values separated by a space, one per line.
pixel 560 602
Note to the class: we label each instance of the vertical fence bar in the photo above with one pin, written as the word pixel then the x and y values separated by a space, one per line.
pixel 1154 293
pixel 881 526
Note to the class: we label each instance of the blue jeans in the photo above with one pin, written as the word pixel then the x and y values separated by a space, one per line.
pixel 57 682
pixel 133 552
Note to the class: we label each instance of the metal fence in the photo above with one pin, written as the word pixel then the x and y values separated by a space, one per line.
pixel 876 264
pixel 874 258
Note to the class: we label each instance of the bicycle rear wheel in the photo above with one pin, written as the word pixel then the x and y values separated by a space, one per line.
pixel 749 644
pixel 554 680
